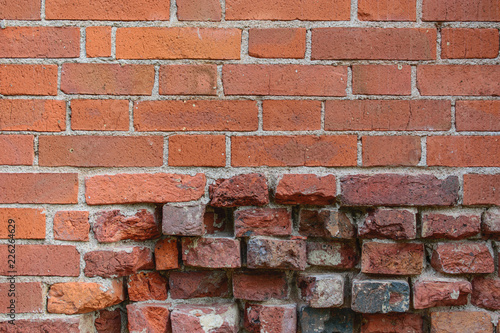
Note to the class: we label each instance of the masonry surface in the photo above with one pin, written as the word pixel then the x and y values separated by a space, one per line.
pixel 264 166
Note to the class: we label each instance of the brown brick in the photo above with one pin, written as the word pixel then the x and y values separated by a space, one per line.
pixel 183 220
pixel 387 10
pixel 99 115
pixel 38 115
pixel 29 223
pixel 477 115
pixel 211 252
pixel 71 226
pixel 481 189
pixel 391 150
pixel 263 222
pixel 117 262
pixel 277 43
pixel 392 258
pixel 188 80
pixel 199 10
pixel 28 80
pixel 381 80
pixel 16 149
pixel 469 43
pixel 463 151
pixel 291 115
pixel 20 10
pixel 108 321
pixel 197 150
pixel 270 253
pixel 486 292
pixel 389 223
pixel 435 225
pixel 462 258
pixel 28 296
pixel 326 223
pixel 392 323
pixel 270 318
pixel 332 254
pixel 98 41
pixel 461 321
pixel 241 190
pixel 186 285
pixel 259 286
pixel 457 10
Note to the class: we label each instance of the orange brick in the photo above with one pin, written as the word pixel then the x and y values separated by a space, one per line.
pixel 166 254
pixel 196 116
pixel 197 150
pixel 177 43
pixel 474 80
pixel 482 189
pixel 469 43
pixel 28 297
pixel 374 43
pixel 98 41
pixel 199 10
pixel 94 151
pixel 291 80
pixel 461 321
pixel 463 151
pixel 459 10
pixel 291 115
pixel 477 115
pixel 20 9
pixel 16 149
pixel 107 79
pixel 293 150
pixel 188 80
pixel 71 226
pixel 29 222
pixel 286 10
pixel 107 10
pixel 28 80
pixel 277 43
pixel 99 115
pixel 39 115
pixel 381 80
pixel 387 10
pixel 391 150
pixel 40 42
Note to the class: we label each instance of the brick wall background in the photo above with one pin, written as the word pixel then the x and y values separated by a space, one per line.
pixel 250 166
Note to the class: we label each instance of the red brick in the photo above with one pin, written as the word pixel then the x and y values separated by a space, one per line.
pixel 332 254
pixel 216 317
pixel 166 254
pixel 216 219
pixel 108 321
pixel 117 262
pixel 321 290
pixel 40 42
pixel 71 226
pixel 433 293
pixel 270 318
pixel 387 10
pixel 374 43
pixel 107 10
pixel 138 188
pixel 399 190
pixel 387 115
pixel 107 79
pixel 263 222
pixel 477 115
pixel 463 151
pixel 178 43
pixel 16 149
pixel 199 10
pixel 389 223
pixel 28 296
pixel 49 188
pixel 183 220
pixel 392 258
pixel 29 222
pixel 392 323
pixel 286 10
pixel 340 150
pixel 112 226
pixel 490 224
pixel 188 80
pixel 457 10
pixel 241 190
pixel 474 80
pixel 186 285
pixel 28 80
pixel 70 325
pixel 147 286
pixel 326 223
pixel 462 258
pixel 99 115
pixel 211 252
pixel 381 80
pixel 38 115
pixel 277 43
pixel 436 225
pixel 289 80
pixel 98 41
pixel 271 253
pixel 149 317
pixel 260 286
pixel 486 293
pixel 106 151
pixel 481 189
pixel 20 9
pixel 196 116
pixel 469 43
pixel 197 150
pixel 291 115
pixel 461 321
pixel 306 189
pixel 391 150
pixel 42 260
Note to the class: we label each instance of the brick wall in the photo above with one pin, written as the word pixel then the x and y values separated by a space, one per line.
pixel 280 166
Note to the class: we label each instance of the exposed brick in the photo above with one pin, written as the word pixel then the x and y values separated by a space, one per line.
pixel 199 10
pixel 306 189
pixel 387 10
pixel 177 43
pixel 391 150
pixel 332 254
pixel 112 226
pixel 186 285
pixel 100 151
pixel 260 286
pixel 399 189
pixel 20 9
pixel 456 10
pixel 99 115
pixel 286 10
pixel 435 225
pixel 49 188
pixel 321 290
pixel 481 189
pixel 289 80
pixel 270 318
pixel 29 223
pixel 213 252
pixel 473 80
pixel 107 10
pixel 28 80
pixel 196 116
pixel 98 41
pixel 166 254
pixel 147 286
pixel 392 323
pixel 300 150
pixel 326 223
pixel 27 296
pixel 183 220
pixel 118 262
pixel 43 260
pixel 392 258
pixel 374 43
pixel 38 115
pixel 271 253
pixel 462 258
pixel 389 223
pixel 40 42
pixel 387 115
pixel 469 43
pixel 486 292
pixel 217 219
pixel 69 325
pixel 291 115
pixel 241 190
pixel 197 150
pixel 433 293
pixel 188 80
pixel 463 151
pixel 381 80
pixel 16 149
pixel 71 226
pixel 277 43
pixel 333 320
pixel 152 317
pixel 461 321
pixel 192 318
pixel 490 226
pixel 380 296
pixel 107 79
pixel 108 321
pixel 477 115
pixel 137 188
pixel 263 222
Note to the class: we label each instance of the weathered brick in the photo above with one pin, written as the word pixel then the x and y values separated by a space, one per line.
pixel 108 321
pixel 147 286
pixel 188 80
pixel 71 226
pixel 326 223
pixel 262 222
pixel 456 10
pixel 69 325
pixel 213 252
pixel 469 43
pixel 462 258
pixel 270 318
pixel 199 10
pixel 193 318
pixel 306 189
pixel 435 225
pixel 27 296
pixel 197 150
pixel 242 190
pixel 112 226
pixel 38 115
pixel 387 10
pixel 99 115
pixel 481 189
pixel 271 253
pixel 117 262
pixel 381 80
pixel 392 323
pixel 486 292
pixel 477 115
pixel 194 284
pixel 166 254
pixel 429 293
pixel 152 317
pixel 389 223
pixel 461 321
pixel 463 151
pixel 380 296
pixel 38 80
pixel 183 220
pixel 321 290
pixel 217 220
pixel 291 115
pixel 20 10
pixel 332 254
pixel 392 258
pixel 391 150
pixel 332 320
pixel 29 223
pixel 490 225
pixel 277 43
pixel 260 286
pixel 98 42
